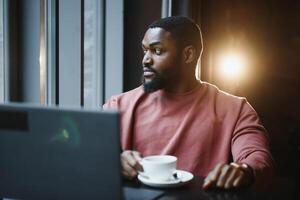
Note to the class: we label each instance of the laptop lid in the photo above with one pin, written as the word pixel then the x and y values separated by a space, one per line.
pixel 55 153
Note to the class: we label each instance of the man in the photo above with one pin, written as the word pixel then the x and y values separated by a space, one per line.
pixel 212 133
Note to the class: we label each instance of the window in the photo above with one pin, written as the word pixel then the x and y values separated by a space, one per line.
pixel 49 23
pixel 103 50
pixel 66 52
pixel 1 52
pixel 93 53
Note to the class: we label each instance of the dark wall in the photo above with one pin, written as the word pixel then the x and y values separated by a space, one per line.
pixel 138 14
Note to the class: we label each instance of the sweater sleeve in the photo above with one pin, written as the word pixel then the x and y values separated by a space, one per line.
pixel 111 104
pixel 250 145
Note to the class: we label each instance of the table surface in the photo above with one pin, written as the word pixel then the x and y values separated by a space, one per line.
pixel 282 188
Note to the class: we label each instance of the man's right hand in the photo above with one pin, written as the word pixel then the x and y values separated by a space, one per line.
pixel 130 161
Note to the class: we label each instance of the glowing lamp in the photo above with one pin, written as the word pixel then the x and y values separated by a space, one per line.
pixel 231 65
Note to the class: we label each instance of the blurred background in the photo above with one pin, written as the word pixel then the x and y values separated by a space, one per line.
pixel 80 52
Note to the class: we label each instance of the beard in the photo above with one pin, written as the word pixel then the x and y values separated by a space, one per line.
pixel 155 84
pixel 162 80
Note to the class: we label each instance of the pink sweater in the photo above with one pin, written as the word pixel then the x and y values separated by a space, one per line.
pixel 202 128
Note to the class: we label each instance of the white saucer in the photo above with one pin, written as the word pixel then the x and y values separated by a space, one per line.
pixel 183 178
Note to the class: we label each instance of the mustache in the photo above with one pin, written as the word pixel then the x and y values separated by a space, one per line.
pixel 148 68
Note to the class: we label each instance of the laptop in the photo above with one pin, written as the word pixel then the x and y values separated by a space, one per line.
pixel 56 153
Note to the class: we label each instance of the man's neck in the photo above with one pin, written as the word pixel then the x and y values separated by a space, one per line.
pixel 182 86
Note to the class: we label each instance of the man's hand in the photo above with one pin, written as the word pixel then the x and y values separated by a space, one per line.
pixel 130 164
pixel 229 176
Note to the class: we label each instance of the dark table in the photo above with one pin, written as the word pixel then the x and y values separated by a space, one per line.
pixel 282 188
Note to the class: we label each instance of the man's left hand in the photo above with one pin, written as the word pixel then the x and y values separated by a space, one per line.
pixel 229 176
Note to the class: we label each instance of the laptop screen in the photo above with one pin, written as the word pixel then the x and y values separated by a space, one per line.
pixel 55 153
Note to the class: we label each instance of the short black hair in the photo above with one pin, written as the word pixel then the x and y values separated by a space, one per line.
pixel 183 29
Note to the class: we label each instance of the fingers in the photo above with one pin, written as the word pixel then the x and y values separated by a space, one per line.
pixel 137 156
pixel 212 177
pixel 238 181
pixel 227 177
pixel 225 173
pixel 127 170
pixel 232 177
pixel 130 164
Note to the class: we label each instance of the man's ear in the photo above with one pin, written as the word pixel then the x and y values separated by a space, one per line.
pixel 189 54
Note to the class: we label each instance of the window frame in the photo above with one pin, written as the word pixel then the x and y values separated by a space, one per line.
pixel 4 97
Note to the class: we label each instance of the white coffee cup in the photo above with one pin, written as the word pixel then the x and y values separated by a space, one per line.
pixel 159 167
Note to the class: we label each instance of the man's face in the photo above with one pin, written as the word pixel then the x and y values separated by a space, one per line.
pixel 161 59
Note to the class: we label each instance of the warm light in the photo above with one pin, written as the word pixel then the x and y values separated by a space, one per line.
pixel 232 65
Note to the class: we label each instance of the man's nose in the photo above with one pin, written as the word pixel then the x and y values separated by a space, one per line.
pixel 147 60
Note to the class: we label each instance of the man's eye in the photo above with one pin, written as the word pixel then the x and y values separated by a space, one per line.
pixel 144 51
pixel 158 51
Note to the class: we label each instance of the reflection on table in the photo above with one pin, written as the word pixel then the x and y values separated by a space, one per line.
pixel 280 189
